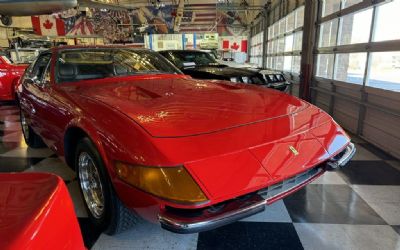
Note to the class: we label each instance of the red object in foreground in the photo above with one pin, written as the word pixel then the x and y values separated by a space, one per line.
pixel 9 76
pixel 190 154
pixel 36 212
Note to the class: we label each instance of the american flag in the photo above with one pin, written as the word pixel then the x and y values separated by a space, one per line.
pixel 78 25
pixel 199 18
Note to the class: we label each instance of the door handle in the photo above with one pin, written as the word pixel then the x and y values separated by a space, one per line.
pixel 33 110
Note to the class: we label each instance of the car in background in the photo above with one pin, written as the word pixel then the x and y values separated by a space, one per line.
pixel 201 65
pixel 30 41
pixel 36 212
pixel 24 55
pixel 275 80
pixel 189 154
pixel 10 74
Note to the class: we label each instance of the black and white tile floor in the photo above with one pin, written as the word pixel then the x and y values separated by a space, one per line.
pixel 355 208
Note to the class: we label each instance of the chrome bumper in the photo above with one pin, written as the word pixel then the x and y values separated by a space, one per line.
pixel 341 159
pixel 232 211
pixel 197 220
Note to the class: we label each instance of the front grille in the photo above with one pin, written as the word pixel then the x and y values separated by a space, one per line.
pixel 289 184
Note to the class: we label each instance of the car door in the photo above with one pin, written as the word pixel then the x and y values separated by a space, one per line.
pixel 35 93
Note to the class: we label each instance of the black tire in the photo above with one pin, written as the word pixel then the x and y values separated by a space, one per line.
pixel 6 20
pixel 30 137
pixel 115 217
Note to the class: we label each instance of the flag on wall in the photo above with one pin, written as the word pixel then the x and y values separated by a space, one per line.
pixel 51 25
pixel 48 25
pixel 238 44
pixel 200 18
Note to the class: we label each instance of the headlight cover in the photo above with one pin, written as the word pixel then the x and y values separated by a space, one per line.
pixel 170 183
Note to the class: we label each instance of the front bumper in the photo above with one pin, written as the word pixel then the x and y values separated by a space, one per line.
pixel 192 221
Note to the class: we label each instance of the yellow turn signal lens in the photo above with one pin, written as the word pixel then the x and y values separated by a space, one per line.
pixel 171 183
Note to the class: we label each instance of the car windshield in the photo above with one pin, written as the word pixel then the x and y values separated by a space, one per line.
pixel 84 64
pixel 199 58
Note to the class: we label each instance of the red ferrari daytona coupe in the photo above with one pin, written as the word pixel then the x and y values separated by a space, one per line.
pixel 190 154
pixel 9 76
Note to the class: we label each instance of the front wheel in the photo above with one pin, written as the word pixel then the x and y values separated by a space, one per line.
pixel 104 208
pixel 30 137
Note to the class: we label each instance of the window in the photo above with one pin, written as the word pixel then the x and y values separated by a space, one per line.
pixel 287 63
pixel 282 26
pixel 290 22
pixel 256 49
pixel 40 66
pixel 276 29
pixel 281 45
pixel 341 62
pixel 279 63
pixel 387 22
pixel 270 32
pixel 350 67
pixel 385 71
pixel 355 28
pixel 298 40
pixel 296 64
pixel 274 46
pixel 299 17
pixel 328 33
pixel 348 3
pixel 330 6
pixel 289 43
pixel 325 65
pixel 84 64
pixel 284 46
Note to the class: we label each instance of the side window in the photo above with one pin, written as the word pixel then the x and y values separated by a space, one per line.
pixel 40 67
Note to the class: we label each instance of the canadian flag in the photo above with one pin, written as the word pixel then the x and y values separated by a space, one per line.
pixel 47 25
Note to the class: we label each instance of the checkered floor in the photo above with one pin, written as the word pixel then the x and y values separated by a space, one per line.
pixel 356 208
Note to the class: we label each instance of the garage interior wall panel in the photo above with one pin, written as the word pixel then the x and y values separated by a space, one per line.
pixel 322 100
pixel 382 130
pixel 384 99
pixel 295 89
pixel 356 73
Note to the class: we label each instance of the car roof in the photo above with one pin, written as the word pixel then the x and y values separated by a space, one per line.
pixel 72 47
pixel 268 71
pixel 181 50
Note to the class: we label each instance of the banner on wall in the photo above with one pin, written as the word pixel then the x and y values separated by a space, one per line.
pixel 51 25
pixel 47 25
pixel 114 26
pixel 234 44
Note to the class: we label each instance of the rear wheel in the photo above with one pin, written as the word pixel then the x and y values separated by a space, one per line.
pixel 31 138
pixel 104 208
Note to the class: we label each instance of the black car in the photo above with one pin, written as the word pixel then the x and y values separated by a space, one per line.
pixel 202 65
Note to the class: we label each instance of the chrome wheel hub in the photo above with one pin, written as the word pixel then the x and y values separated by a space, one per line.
pixel 91 184
pixel 24 125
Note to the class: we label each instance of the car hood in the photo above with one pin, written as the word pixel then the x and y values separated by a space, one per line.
pixel 176 106
pixel 222 70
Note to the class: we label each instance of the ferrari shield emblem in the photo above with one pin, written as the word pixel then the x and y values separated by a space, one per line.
pixel 294 150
